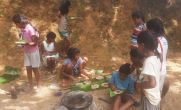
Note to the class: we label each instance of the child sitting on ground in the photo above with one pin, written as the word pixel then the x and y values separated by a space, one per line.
pixel 48 49
pixel 122 81
pixel 139 21
pixel 73 65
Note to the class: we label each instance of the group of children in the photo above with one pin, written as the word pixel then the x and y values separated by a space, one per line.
pixel 146 73
pixel 48 54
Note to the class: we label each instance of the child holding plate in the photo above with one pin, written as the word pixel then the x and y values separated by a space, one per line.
pixel 123 86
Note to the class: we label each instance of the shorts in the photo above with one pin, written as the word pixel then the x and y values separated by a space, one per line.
pixel 146 105
pixel 32 59
pixel 64 34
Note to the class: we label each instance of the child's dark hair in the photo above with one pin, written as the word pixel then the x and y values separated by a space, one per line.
pixel 156 25
pixel 72 52
pixel 51 35
pixel 18 18
pixel 125 68
pixel 138 15
pixel 149 40
pixel 134 53
pixel 64 7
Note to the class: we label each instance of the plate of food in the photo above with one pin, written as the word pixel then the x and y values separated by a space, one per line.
pixel 87 82
pixel 105 85
pixel 99 77
pixel 95 86
pixel 20 42
pixel 118 92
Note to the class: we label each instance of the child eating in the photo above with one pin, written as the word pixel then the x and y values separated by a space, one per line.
pixel 122 81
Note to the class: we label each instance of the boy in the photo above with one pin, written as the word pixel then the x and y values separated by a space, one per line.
pixel 139 21
pixel 49 53
pixel 31 50
pixel 122 81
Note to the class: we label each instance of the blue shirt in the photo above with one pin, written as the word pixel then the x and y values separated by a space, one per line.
pixel 127 84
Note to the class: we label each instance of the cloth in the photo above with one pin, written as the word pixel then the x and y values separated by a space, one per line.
pixel 49 47
pixel 27 34
pixel 63 24
pixel 151 67
pixel 75 67
pixel 136 31
pixel 127 84
pixel 146 105
pixel 32 59
pixel 64 34
pixel 163 49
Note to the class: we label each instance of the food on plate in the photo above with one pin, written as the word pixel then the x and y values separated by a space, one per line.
pixel 87 82
pixel 20 42
pixel 99 77
pixel 95 86
pixel 118 92
pixel 105 85
pixel 99 71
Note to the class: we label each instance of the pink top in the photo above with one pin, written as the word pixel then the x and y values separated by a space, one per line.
pixel 27 34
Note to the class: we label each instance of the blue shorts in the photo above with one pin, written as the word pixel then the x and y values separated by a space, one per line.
pixel 64 34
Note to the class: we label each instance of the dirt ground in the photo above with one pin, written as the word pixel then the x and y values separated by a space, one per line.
pixel 102 35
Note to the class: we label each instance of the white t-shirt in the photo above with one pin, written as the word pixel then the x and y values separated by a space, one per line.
pixel 151 66
pixel 162 49
pixel 49 47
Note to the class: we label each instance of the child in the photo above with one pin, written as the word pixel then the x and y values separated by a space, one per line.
pixel 49 53
pixel 121 80
pixel 31 50
pixel 63 25
pixel 137 59
pixel 156 26
pixel 139 21
pixel 73 66
pixel 150 74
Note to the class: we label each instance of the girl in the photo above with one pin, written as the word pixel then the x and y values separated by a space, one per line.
pixel 150 74
pixel 139 21
pixel 121 80
pixel 49 53
pixel 63 25
pixel 31 50
pixel 156 26
pixel 73 66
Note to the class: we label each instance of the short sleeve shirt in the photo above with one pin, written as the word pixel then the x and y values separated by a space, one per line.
pixel 152 67
pixel 127 84
pixel 77 65
pixel 27 33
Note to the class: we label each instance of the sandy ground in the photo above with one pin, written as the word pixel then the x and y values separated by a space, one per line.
pixel 44 99
pixel 103 36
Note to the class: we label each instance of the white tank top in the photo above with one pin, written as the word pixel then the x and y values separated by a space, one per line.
pixel 48 47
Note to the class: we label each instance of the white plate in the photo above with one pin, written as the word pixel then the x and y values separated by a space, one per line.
pixel 95 86
pixel 99 77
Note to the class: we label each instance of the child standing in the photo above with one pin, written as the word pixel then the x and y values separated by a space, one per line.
pixel 49 53
pixel 156 26
pixel 121 81
pixel 150 74
pixel 139 21
pixel 73 66
pixel 31 50
pixel 63 25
